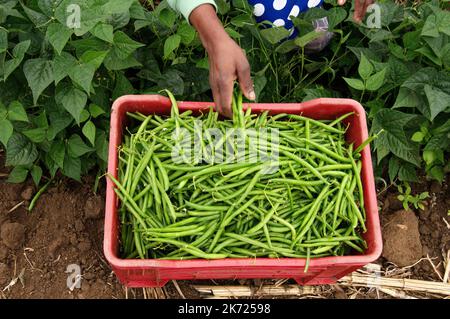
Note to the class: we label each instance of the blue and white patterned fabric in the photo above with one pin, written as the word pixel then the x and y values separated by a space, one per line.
pixel 279 12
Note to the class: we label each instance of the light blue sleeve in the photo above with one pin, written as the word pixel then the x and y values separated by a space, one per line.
pixel 185 7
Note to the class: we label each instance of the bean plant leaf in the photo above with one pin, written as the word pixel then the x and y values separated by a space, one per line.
pixel 76 147
pixel 437 44
pixel 48 7
pixel 417 137
pixel 95 110
pixel 443 21
pixel 113 63
pixel 233 33
pixel 39 74
pixel 438 101
pixel 374 82
pixel 119 20
pixel 404 151
pixel 186 32
pixel 395 140
pixel 444 128
pixel 50 165
pixel 335 16
pixel 435 23
pixel 365 68
pixel 438 142
pixel 307 38
pixel 137 11
pixel 437 173
pixel 171 44
pixel 274 35
pixel 259 84
pixel 82 74
pixel 16 112
pixel 36 174
pixel 62 64
pixel 394 166
pixel 117 6
pixel 124 46
pixel 122 87
pixel 36 135
pixel 222 6
pixel 89 131
pixel 18 175
pixel 379 35
pixel 407 173
pixel 72 167
pixel 104 32
pixel 94 58
pixel 7 9
pixel 398 71
pixel 20 151
pixel 101 145
pixel 6 131
pixel 167 17
pixel 173 81
pixel 286 46
pixel 357 84
pixel 430 28
pixel 241 20
pixel 57 151
pixel 41 120
pixel 203 63
pixel 445 56
pixel 37 18
pixel 3 40
pixel 370 54
pixel 84 116
pixel 58 35
pixel 427 52
pixel 72 99
pixel 88 44
pixel 18 54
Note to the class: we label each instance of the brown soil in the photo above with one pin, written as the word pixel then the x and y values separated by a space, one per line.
pixel 66 227
pixel 401 238
pixel 433 227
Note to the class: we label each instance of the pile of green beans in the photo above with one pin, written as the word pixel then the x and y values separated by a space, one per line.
pixel 311 206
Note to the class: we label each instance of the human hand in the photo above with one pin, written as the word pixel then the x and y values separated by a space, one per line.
pixel 227 61
pixel 360 8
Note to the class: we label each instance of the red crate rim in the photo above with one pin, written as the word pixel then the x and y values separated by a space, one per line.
pixel 111 241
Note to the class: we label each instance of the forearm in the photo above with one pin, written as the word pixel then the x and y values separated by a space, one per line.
pixel 186 7
pixel 210 29
pixel 227 61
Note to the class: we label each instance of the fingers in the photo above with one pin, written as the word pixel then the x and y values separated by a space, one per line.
pixel 215 89
pixel 225 84
pixel 360 9
pixel 341 2
pixel 245 80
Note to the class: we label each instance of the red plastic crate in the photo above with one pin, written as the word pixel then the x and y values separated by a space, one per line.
pixel 325 270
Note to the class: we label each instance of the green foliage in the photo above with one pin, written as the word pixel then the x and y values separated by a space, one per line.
pixel 57 83
pixel 407 198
